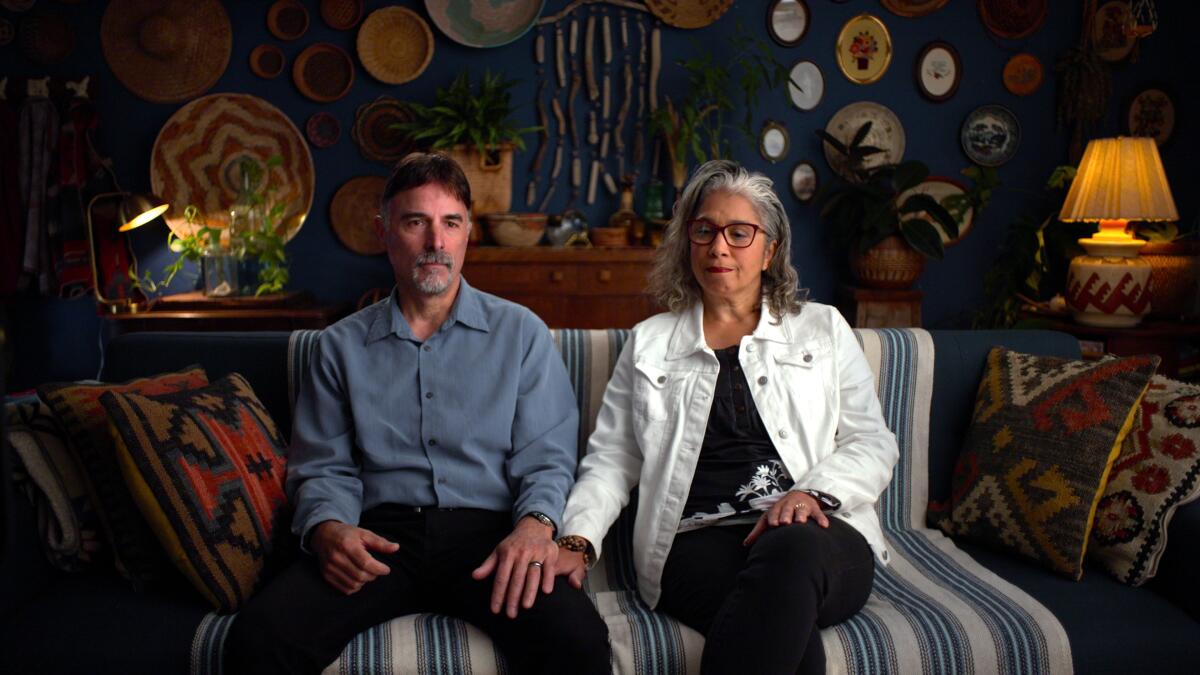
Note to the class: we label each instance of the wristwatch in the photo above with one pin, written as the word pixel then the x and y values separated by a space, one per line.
pixel 545 520
pixel 827 501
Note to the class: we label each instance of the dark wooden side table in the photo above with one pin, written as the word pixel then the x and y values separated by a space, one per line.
pixel 1176 342
pixel 875 308
pixel 195 312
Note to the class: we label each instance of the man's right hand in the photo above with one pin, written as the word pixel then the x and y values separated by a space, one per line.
pixel 344 555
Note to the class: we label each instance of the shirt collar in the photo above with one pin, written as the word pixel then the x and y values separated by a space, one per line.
pixel 688 336
pixel 389 320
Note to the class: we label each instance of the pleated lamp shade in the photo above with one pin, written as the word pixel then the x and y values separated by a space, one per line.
pixel 1120 179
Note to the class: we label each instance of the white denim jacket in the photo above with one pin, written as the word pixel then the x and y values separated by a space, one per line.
pixel 812 386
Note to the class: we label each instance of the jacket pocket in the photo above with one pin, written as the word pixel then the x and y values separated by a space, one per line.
pixel 807 355
pixel 653 390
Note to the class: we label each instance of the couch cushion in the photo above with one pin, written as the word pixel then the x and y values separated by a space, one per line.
pixel 1042 440
pixel 1157 471
pixel 79 412
pixel 206 467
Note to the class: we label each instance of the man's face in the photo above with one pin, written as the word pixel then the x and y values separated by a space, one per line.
pixel 425 232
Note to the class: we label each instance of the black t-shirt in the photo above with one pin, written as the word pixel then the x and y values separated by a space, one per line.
pixel 738 462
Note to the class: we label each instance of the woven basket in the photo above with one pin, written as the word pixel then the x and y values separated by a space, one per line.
pixel 1174 278
pixel 395 45
pixel 891 265
pixel 491 183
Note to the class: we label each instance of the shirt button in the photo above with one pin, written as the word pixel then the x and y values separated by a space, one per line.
pixel 783 433
pixel 749 348
pixel 662 378
pixel 442 481
pixel 427 348
pixel 808 358
pixel 429 394
pixel 762 379
pixel 433 441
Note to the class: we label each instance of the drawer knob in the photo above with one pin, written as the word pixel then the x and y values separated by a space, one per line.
pixel 556 275
pixel 605 276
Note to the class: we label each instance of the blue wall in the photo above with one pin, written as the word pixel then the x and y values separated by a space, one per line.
pixel 953 287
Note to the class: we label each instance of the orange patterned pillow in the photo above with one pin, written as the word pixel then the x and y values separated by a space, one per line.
pixel 79 412
pixel 206 468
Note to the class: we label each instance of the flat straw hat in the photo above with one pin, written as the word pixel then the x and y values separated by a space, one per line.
pixel 166 50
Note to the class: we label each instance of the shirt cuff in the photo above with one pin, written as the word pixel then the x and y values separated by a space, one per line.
pixel 828 502
pixel 542 508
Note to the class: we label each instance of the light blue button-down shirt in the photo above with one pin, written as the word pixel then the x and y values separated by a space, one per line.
pixel 479 415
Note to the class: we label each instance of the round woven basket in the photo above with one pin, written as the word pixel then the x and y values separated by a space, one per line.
pixel 395 45
pixel 891 264
pixel 352 213
pixel 1174 278
pixel 613 237
pixel 341 14
pixel 287 19
pixel 688 13
pixel 267 61
pixel 323 72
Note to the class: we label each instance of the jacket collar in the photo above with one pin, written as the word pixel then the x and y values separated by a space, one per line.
pixel 389 320
pixel 688 336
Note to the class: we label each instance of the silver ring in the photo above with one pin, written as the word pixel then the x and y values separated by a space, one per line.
pixel 534 563
pixel 801 505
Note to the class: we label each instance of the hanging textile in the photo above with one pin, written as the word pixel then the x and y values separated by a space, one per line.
pixel 37 135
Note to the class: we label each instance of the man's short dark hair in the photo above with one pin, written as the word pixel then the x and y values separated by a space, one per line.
pixel 423 168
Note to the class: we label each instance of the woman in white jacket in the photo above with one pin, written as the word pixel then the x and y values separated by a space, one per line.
pixel 748 419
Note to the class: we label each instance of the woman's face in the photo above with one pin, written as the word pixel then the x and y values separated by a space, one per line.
pixel 727 272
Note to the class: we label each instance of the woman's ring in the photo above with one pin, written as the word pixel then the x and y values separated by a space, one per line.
pixel 801 505
pixel 534 563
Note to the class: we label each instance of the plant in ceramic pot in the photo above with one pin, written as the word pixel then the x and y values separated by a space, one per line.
pixel 474 125
pixel 889 235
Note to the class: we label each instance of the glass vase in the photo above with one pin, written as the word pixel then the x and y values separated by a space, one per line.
pixel 220 270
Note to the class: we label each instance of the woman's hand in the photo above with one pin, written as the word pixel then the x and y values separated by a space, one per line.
pixel 572 565
pixel 793 507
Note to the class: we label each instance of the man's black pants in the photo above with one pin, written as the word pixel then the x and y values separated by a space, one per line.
pixel 760 608
pixel 300 623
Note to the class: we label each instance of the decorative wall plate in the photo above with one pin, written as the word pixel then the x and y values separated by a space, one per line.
pixel 287 19
pixel 323 129
pixel 940 187
pixel 323 72
pixel 484 23
pixel 812 85
pixel 864 49
pixel 1151 112
pixel 887 133
pixel 1013 19
pixel 195 157
pixel 1023 74
pixel 938 71
pixel 1110 38
pixel 373 133
pixel 773 141
pixel 688 13
pixel 341 14
pixel 788 21
pixel 805 181
pixel 914 8
pixel 267 61
pixel 352 214
pixel 395 45
pixel 990 135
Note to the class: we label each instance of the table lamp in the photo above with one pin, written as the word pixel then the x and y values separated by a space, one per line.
pixel 1119 180
pixel 134 210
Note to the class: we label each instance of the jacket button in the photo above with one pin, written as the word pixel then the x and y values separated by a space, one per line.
pixel 783 433
pixel 749 348
pixel 762 379
pixel 885 556
pixel 808 358
pixel 662 378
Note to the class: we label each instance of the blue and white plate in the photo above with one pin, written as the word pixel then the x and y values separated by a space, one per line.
pixel 990 135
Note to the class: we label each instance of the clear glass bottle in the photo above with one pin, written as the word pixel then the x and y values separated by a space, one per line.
pixel 627 218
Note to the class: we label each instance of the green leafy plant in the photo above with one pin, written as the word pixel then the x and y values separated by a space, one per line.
pixel 696 126
pixel 868 209
pixel 464 115
pixel 263 243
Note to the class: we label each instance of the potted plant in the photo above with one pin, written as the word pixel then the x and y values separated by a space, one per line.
pixel 888 239
pixel 475 127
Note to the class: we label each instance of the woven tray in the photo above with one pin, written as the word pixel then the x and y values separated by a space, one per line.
pixel 395 45
pixel 341 14
pixel 688 13
pixel 323 72
pixel 352 213
pixel 372 132
pixel 267 61
pixel 287 19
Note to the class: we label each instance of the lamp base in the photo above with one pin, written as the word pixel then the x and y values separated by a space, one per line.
pixel 1108 291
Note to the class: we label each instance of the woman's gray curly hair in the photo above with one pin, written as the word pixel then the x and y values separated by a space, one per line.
pixel 672 282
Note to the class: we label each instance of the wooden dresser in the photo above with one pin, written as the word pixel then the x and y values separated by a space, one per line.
pixel 568 287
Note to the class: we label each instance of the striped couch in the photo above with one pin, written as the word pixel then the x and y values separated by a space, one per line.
pixel 940 607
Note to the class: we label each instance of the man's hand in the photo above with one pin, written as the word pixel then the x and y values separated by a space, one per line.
pixel 517 578
pixel 794 507
pixel 344 555
pixel 572 565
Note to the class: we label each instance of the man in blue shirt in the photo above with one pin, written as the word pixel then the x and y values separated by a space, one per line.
pixel 433 447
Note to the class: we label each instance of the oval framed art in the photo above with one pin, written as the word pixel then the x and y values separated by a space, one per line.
pixel 788 21
pixel 864 49
pixel 938 71
pixel 773 141
pixel 806 85
pixel 805 181
pixel 1151 112
pixel 990 135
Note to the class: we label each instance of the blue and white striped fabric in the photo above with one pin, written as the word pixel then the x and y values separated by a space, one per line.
pixel 933 610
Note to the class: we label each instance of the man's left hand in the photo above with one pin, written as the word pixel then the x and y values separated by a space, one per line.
pixel 522 562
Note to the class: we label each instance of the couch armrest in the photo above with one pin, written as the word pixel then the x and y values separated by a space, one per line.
pixel 1176 577
pixel 24 570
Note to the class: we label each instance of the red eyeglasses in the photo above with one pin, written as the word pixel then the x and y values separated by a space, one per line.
pixel 738 235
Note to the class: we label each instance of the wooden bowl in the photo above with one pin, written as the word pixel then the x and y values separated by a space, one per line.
pixel 516 229
pixel 613 237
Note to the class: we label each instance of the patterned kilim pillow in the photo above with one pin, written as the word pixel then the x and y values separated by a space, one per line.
pixel 1043 436
pixel 77 407
pixel 1157 471
pixel 53 481
pixel 206 467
